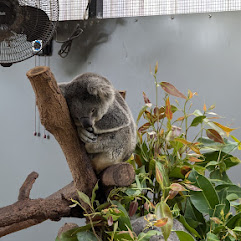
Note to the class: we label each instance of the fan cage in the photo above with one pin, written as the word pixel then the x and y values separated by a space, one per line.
pixel 17 46
pixel 50 7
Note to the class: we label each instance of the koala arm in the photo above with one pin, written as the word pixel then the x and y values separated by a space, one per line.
pixel 86 136
pixel 110 142
pixel 117 117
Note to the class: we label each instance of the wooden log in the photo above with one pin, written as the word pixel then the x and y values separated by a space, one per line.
pixel 120 175
pixel 55 117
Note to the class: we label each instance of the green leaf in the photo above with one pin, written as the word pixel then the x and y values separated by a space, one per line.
pixel 230 188
pixel 221 176
pixel 94 193
pixel 159 177
pixel 208 144
pixel 152 165
pixel 138 183
pixel 223 200
pixel 212 237
pixel 217 211
pixel 232 197
pixel 122 235
pixel 191 213
pixel 198 120
pixel 70 235
pixel 124 220
pixel 114 230
pixel 219 228
pixel 208 198
pixel 176 173
pixel 212 163
pixel 233 161
pixel 173 108
pixel 165 179
pixel 84 198
pixel 162 210
pixel 184 236
pixel 237 229
pixel 132 192
pixel 194 218
pixel 228 159
pixel 143 109
pixel 86 236
pixel 182 220
pixel 233 221
pixel 199 169
pixel 146 236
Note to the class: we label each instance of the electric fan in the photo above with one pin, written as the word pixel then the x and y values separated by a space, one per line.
pixel 26 26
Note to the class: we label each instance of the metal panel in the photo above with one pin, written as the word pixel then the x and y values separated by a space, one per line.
pixel 132 8
pixel 72 10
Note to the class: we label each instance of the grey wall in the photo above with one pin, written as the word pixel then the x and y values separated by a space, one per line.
pixel 194 52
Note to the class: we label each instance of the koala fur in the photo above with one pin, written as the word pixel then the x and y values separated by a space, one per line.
pixel 104 121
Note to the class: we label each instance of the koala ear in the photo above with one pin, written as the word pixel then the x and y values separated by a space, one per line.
pixel 104 91
pixel 63 88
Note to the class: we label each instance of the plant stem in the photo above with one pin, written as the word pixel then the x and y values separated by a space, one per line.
pixel 185 115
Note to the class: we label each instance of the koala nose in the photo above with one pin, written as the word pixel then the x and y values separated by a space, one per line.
pixel 86 122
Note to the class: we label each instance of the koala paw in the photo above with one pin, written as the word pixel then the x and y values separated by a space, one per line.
pixel 87 136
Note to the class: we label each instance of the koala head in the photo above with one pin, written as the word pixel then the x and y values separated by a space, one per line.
pixel 89 97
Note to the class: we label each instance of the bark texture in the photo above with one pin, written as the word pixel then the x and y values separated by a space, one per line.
pixel 55 117
pixel 121 175
pixel 26 212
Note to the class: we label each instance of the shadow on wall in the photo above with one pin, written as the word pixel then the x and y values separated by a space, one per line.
pixel 95 32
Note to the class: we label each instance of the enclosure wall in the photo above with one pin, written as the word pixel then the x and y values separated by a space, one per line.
pixel 197 52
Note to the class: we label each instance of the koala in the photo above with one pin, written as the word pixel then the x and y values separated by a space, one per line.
pixel 104 121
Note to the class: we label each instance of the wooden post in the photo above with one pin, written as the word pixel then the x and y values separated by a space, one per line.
pixel 55 117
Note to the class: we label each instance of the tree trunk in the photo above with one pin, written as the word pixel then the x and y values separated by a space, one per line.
pixel 55 117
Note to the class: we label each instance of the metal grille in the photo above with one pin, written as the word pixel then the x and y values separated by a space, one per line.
pixel 72 10
pixel 32 22
pixel 51 8
pixel 131 8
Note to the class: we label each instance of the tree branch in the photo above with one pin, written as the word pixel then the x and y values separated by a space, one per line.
pixel 25 189
pixel 54 115
pixel 26 212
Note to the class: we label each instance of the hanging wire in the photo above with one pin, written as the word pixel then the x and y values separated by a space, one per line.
pixel 35 119
pixel 66 45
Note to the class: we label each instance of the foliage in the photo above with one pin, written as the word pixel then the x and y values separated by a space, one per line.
pixel 181 164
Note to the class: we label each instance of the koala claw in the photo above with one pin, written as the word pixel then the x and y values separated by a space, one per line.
pixel 86 136
pixel 90 129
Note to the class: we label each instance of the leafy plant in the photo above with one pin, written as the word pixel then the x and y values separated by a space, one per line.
pixel 181 162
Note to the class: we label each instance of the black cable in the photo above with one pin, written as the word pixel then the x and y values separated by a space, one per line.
pixel 66 46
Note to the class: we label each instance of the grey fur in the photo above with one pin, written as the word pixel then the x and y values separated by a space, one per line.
pixel 103 119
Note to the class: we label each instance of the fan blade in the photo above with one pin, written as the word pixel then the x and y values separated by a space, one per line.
pixel 35 24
